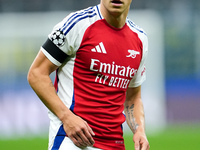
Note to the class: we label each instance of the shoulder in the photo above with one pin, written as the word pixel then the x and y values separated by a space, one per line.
pixel 141 33
pixel 80 19
pixel 135 28
pixel 68 33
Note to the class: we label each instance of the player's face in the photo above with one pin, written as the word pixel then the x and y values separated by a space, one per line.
pixel 116 7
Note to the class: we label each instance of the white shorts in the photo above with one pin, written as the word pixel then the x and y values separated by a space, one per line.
pixel 67 144
pixel 58 139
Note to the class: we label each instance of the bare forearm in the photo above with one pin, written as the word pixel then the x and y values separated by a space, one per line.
pixel 43 87
pixel 134 115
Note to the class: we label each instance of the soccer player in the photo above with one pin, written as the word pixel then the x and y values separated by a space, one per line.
pixel 99 57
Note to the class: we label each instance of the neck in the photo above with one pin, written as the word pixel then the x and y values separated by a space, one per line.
pixel 115 19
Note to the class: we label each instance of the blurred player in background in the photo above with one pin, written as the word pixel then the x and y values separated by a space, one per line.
pixel 99 57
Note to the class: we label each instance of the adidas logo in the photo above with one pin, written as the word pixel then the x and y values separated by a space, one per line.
pixel 99 48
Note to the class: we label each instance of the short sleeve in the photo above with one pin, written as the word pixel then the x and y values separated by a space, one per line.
pixel 62 41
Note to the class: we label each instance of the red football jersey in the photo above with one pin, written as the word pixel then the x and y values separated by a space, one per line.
pixel 97 63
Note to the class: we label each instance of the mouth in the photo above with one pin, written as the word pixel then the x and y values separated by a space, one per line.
pixel 117 2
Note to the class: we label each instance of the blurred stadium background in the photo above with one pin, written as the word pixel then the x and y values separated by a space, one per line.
pixel 171 92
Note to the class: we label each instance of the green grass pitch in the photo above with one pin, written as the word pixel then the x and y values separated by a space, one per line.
pixel 173 138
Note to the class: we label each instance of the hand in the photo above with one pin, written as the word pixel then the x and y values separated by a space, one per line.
pixel 140 140
pixel 78 131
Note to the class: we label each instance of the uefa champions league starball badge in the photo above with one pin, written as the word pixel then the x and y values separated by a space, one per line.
pixel 58 38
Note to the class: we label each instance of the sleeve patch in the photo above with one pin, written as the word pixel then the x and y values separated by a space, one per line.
pixel 58 38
